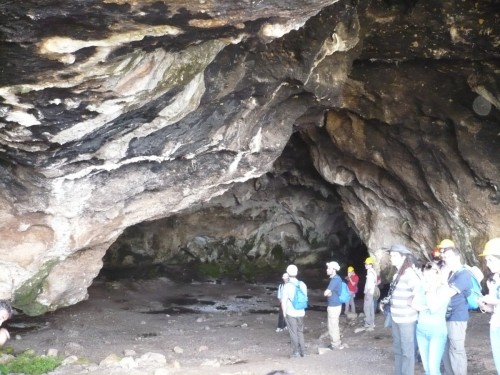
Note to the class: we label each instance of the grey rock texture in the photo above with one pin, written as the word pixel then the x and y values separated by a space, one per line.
pixel 115 113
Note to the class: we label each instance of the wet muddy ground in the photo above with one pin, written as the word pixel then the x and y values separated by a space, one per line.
pixel 216 328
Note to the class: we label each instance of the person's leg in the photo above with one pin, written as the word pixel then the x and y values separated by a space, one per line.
pixel 335 325
pixel 388 319
pixel 407 335
pixel 437 345
pixel 281 319
pixel 396 347
pixel 456 340
pixel 423 347
pixel 368 309
pixel 300 335
pixel 352 306
pixel 495 346
pixel 293 328
pixel 446 357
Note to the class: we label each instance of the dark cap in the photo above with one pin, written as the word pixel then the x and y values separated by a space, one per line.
pixel 399 249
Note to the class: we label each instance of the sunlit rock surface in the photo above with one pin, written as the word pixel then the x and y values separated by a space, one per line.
pixel 113 113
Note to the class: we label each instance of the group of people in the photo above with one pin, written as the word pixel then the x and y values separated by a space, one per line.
pixel 427 307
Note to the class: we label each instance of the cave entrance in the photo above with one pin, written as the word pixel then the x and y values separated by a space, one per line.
pixel 250 233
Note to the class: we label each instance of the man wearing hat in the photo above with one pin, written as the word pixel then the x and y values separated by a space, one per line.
pixel 294 318
pixel 404 317
pixel 370 284
pixel 352 285
pixel 460 284
pixel 334 306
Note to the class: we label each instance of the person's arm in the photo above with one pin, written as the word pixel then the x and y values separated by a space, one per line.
pixel 328 291
pixel 489 301
pixel 459 284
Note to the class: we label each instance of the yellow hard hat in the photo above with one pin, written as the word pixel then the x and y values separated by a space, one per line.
pixel 369 260
pixel 445 243
pixel 350 269
pixel 492 247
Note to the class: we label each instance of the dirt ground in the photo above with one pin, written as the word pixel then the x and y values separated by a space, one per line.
pixel 214 328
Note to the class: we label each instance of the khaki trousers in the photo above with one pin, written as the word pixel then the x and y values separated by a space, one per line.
pixel 333 323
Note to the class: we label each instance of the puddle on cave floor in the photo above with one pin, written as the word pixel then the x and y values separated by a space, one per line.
pixel 228 297
pixel 189 304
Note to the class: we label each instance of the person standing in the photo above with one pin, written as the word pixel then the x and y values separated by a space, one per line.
pixel 491 301
pixel 352 285
pixel 403 314
pixel 334 308
pixel 370 284
pixel 431 301
pixel 460 284
pixel 294 318
pixel 281 317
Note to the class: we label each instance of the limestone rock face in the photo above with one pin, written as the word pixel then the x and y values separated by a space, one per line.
pixel 113 113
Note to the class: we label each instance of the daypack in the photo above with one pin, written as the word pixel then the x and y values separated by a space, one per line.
pixel 476 291
pixel 299 301
pixel 344 295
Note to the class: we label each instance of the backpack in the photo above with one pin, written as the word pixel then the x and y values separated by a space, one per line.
pixel 476 291
pixel 299 301
pixel 344 295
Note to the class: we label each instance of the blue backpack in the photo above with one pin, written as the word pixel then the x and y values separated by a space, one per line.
pixel 344 295
pixel 299 301
pixel 476 291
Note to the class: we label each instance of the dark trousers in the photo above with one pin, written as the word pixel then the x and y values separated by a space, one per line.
pixel 281 319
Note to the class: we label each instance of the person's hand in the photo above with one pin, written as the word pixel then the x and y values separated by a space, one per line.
pixel 484 307
pixel 4 336
pixel 327 293
pixel 381 307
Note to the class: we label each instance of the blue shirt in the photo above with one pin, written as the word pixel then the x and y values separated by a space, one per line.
pixel 335 286
pixel 461 282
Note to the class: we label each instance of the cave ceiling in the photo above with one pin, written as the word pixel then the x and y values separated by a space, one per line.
pixel 115 112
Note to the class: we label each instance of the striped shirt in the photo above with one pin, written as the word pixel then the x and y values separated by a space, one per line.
pixel 401 310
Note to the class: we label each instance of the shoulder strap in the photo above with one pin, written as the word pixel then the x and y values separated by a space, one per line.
pixel 393 285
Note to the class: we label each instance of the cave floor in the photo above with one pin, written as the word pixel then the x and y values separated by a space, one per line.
pixel 213 328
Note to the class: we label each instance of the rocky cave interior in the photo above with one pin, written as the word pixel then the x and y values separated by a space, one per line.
pixel 213 139
pixel 250 233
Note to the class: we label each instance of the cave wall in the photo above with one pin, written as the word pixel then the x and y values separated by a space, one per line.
pixel 414 143
pixel 114 113
pixel 251 232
